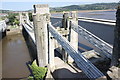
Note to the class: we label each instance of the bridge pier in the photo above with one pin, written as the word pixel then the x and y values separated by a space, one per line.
pixel 41 40
pixel 21 20
pixel 65 34
pixel 51 49
pixel 45 50
pixel 69 34
pixel 4 34
pixel 73 36
pixel 116 48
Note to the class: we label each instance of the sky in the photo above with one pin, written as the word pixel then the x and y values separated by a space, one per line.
pixel 20 5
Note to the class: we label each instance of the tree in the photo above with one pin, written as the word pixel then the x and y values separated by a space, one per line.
pixel 12 18
pixel 16 22
pixel 30 16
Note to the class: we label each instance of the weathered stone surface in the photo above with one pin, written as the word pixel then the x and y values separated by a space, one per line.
pixel 41 8
pixel 90 54
pixel 73 38
pixel 114 72
pixel 116 48
pixel 63 70
pixel 40 21
pixel 49 75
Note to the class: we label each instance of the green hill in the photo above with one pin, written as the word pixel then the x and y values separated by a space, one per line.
pixel 97 6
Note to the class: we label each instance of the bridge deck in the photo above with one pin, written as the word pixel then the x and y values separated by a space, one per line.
pixel 63 70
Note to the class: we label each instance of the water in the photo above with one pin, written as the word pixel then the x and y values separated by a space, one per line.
pixel 15 55
pixel 105 32
pixel 110 15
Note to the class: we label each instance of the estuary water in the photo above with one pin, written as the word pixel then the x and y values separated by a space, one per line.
pixel 105 32
pixel 110 15
pixel 15 56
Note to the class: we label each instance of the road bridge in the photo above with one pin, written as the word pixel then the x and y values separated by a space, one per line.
pixel 43 34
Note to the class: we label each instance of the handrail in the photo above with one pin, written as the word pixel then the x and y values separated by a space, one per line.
pixel 94 40
pixel 87 67
pixel 29 23
pixel 95 19
pixel 84 64
pixel 28 27
pixel 30 31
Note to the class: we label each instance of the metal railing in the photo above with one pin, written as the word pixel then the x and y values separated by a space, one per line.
pixel 95 19
pixel 87 67
pixel 84 64
pixel 94 40
pixel 30 31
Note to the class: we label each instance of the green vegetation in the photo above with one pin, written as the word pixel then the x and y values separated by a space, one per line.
pixel 2 18
pixel 97 6
pixel 38 72
pixel 13 20
pixel 30 16
pixel 5 11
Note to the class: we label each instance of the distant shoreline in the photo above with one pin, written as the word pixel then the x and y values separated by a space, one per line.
pixel 81 11
pixel 95 10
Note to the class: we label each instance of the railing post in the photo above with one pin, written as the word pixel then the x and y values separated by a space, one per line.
pixel 51 45
pixel 41 33
pixel 73 36
pixel 65 26
pixel 20 17
pixel 51 49
pixel 116 48
pixel 27 17
pixel 65 20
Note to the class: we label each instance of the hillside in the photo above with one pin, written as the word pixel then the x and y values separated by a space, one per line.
pixel 97 6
